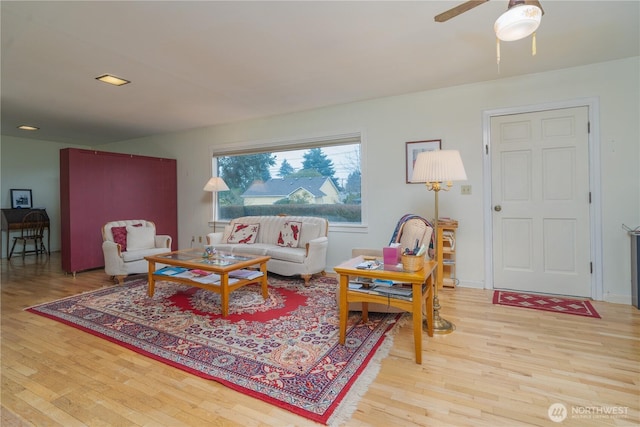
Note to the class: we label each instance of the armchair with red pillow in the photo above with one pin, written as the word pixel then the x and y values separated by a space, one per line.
pixel 127 242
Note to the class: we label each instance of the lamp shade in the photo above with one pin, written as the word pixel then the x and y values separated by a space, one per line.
pixel 518 22
pixel 439 166
pixel 216 184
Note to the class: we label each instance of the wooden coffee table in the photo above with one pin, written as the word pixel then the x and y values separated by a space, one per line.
pixel 222 264
pixel 420 294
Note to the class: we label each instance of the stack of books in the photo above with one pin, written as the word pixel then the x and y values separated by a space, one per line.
pixel 196 275
pixel 383 287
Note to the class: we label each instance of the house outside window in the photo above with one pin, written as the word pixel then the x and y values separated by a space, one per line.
pixel 318 178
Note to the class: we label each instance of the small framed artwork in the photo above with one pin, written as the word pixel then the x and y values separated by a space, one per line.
pixel 416 147
pixel 21 199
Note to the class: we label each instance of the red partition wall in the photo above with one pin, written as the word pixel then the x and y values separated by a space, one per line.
pixel 97 187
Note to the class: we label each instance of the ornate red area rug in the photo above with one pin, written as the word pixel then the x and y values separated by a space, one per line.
pixel 283 350
pixel 546 303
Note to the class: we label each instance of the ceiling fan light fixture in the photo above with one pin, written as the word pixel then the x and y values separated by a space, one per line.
pixel 518 22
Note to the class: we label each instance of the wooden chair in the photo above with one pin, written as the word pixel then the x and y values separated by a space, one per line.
pixel 33 225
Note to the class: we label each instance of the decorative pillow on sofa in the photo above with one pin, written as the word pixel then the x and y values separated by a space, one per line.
pixel 140 238
pixel 243 233
pixel 120 236
pixel 290 234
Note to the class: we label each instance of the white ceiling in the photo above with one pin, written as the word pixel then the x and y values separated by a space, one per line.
pixel 195 64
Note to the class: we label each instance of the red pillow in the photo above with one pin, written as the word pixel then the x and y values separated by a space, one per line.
pixel 120 236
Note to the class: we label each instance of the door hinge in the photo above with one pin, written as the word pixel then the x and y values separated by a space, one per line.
pixel 589 197
pixel 591 268
pixel 486 149
pixel 588 127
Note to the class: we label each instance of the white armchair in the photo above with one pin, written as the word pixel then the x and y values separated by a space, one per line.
pixel 126 243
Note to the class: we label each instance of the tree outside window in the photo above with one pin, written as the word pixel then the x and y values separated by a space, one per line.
pixel 315 181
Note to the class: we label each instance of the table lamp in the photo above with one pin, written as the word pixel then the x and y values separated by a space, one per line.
pixel 215 185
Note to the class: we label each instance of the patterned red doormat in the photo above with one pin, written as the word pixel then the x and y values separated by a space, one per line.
pixel 546 303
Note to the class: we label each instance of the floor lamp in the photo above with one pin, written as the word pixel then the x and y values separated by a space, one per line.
pixel 436 168
pixel 215 185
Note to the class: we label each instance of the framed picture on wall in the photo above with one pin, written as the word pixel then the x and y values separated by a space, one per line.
pixel 21 199
pixel 416 147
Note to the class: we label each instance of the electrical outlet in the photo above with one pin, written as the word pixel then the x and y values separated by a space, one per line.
pixel 199 239
pixel 465 189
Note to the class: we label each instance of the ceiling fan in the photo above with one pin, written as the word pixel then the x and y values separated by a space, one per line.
pixel 521 19
pixel 468 5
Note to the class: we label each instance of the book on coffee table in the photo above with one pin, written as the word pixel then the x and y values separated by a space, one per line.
pixel 171 271
pixel 393 290
pixel 245 274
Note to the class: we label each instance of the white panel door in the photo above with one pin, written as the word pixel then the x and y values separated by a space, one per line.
pixel 540 201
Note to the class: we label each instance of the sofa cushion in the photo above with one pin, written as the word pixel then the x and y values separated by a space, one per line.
pixel 141 253
pixel 289 234
pixel 244 233
pixel 270 227
pixel 250 249
pixel 120 236
pixel 296 255
pixel 140 238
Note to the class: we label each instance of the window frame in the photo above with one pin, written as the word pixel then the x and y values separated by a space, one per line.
pixel 276 145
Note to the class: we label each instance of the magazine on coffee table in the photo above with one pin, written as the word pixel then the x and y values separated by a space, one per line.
pixel 202 276
pixel 394 290
pixel 245 274
pixel 171 271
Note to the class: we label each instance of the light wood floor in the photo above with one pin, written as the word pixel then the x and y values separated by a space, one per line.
pixel 501 367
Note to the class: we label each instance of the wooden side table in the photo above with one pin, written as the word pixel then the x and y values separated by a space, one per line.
pixel 420 294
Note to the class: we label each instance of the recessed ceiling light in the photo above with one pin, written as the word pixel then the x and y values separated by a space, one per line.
pixel 27 127
pixel 112 80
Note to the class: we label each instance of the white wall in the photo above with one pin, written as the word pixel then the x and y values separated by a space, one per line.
pixel 32 164
pixel 455 116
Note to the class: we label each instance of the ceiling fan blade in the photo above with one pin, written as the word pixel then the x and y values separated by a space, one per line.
pixel 461 8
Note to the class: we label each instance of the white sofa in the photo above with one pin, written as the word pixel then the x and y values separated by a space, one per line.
pixel 126 243
pixel 297 245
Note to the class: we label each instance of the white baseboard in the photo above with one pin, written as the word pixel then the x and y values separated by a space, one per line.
pixel 618 299
pixel 471 284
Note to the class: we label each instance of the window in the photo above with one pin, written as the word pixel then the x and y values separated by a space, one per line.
pixel 311 178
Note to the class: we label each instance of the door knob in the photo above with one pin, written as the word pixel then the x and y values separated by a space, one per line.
pixel 497 208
